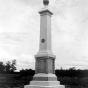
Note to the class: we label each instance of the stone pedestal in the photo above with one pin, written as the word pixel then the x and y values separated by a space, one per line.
pixel 42 80
pixel 44 72
pixel 36 86
pixel 45 63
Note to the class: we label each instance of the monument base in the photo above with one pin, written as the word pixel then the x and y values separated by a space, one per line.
pixel 44 81
pixel 45 77
pixel 44 84
pixel 36 86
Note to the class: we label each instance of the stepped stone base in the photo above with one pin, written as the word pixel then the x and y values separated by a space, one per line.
pixel 36 86
pixel 44 81
pixel 44 77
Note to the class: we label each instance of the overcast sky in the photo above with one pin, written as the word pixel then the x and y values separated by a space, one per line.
pixel 20 29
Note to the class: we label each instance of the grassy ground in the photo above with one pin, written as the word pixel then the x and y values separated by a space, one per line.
pixel 74 82
pixel 20 81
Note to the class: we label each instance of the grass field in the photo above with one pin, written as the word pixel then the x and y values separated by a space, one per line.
pixel 17 81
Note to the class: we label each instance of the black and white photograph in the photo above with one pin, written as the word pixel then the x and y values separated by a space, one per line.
pixel 43 43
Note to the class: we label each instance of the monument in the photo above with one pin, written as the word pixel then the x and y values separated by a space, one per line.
pixel 45 60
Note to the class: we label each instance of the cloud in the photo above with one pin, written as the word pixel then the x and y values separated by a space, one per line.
pixel 5 56
pixel 16 17
pixel 25 61
pixel 30 2
pixel 69 31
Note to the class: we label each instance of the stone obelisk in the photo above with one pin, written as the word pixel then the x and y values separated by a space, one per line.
pixel 45 60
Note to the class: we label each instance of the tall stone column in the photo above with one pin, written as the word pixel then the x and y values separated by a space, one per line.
pixel 45 59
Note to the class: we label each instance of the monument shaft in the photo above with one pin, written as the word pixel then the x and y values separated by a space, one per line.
pixel 45 32
pixel 44 58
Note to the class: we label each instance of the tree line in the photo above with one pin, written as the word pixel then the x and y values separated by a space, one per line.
pixel 63 73
pixel 72 73
pixel 8 67
pixel 71 76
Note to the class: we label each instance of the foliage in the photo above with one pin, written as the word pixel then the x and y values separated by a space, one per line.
pixel 27 72
pixel 8 66
pixel 70 77
pixel 13 65
pixel 71 72
pixel 2 67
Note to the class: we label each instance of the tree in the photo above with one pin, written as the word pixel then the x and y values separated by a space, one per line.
pixel 27 72
pixel 8 66
pixel 2 68
pixel 13 65
pixel 72 68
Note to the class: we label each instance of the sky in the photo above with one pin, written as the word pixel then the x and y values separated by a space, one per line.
pixel 20 31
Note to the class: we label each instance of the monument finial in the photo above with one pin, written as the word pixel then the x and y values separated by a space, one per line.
pixel 46 2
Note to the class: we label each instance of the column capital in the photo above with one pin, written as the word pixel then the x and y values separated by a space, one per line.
pixel 45 10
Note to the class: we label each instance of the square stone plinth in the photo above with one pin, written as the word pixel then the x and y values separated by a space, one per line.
pixel 44 84
pixel 36 86
pixel 40 82
pixel 44 77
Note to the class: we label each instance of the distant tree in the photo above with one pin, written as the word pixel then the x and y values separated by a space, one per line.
pixel 61 68
pixel 2 68
pixel 31 72
pixel 13 65
pixel 72 72
pixel 8 66
pixel 27 72
pixel 22 70
pixel 72 68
